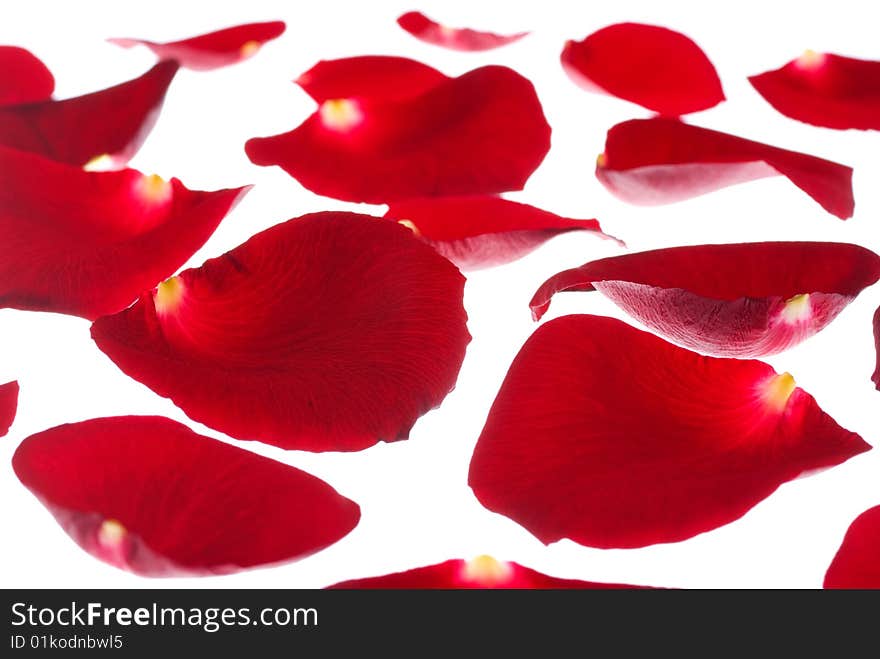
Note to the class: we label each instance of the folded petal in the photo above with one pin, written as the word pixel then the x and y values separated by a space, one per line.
pixel 482 231
pixel 876 377
pixel 823 89
pixel 857 563
pixel 465 39
pixel 8 405
pixel 478 573
pixel 481 133
pixel 214 49
pixel 147 494
pixel 88 243
pixel 651 66
pixel 661 161
pixel 613 437
pixel 328 332
pixel 737 300
pixel 107 126
pixel 25 78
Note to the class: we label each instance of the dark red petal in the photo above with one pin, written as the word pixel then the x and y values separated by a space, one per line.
pixel 465 39
pixel 480 572
pixel 483 231
pixel 876 377
pixel 328 332
pixel 25 78
pixel 369 78
pixel 857 562
pixel 738 300
pixel 215 49
pixel 649 65
pixel 110 124
pixel 147 494
pixel 661 161
pixel 8 405
pixel 481 133
pixel 88 243
pixel 825 90
pixel 613 437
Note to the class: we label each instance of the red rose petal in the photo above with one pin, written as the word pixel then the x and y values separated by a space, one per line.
pixel 483 231
pixel 481 133
pixel 110 124
pixel 8 405
pixel 825 90
pixel 25 78
pixel 857 562
pixel 147 494
pixel 876 377
pixel 88 243
pixel 737 300
pixel 329 332
pixel 613 437
pixel 661 161
pixel 464 39
pixel 477 573
pixel 652 66
pixel 215 49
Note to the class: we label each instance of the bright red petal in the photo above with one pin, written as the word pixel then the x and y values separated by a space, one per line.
pixel 652 66
pixel 147 494
pixel 738 300
pixel 857 563
pixel 8 405
pixel 25 78
pixel 215 49
pixel 661 161
pixel 88 243
pixel 465 39
pixel 483 231
pixel 481 133
pixel 478 573
pixel 110 124
pixel 612 437
pixel 329 332
pixel 876 377
pixel 825 90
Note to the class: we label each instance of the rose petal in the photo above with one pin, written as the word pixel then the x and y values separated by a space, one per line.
pixel 612 437
pixel 464 39
pixel 651 66
pixel 483 231
pixel 857 562
pixel 329 332
pixel 147 494
pixel 110 125
pixel 738 300
pixel 825 90
pixel 477 573
pixel 481 133
pixel 876 377
pixel 661 161
pixel 88 243
pixel 214 49
pixel 8 406
pixel 25 78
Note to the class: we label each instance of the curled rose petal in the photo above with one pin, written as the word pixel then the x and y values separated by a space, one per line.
pixel 88 243
pixel 483 231
pixel 481 133
pixel 876 377
pixel 737 300
pixel 651 66
pixel 464 39
pixel 612 437
pixel 25 78
pixel 214 49
pixel 826 90
pixel 328 332
pixel 147 494
pixel 661 161
pixel 8 405
pixel 477 573
pixel 101 129
pixel 857 562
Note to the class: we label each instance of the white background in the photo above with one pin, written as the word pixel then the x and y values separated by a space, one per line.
pixel 417 508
